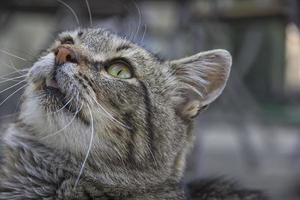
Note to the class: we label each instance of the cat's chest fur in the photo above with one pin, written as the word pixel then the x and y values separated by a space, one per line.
pixel 30 170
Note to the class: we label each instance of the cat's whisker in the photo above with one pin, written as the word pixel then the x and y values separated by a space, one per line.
pixel 12 86
pixel 60 109
pixel 7 80
pixel 11 65
pixel 127 35
pixel 70 9
pixel 12 94
pixel 131 33
pixel 12 55
pixel 9 115
pixel 90 12
pixel 144 33
pixel 59 131
pixel 14 75
pixel 89 148
pixel 110 115
pixel 140 19
pixel 12 79
pixel 7 77
pixel 9 74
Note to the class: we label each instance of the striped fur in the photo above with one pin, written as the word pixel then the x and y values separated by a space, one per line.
pixel 102 137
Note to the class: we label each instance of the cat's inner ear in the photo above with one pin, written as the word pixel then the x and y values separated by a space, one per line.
pixel 200 79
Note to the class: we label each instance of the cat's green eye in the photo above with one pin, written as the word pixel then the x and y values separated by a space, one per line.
pixel 119 70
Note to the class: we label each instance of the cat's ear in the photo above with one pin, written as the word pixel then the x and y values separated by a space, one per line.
pixel 200 79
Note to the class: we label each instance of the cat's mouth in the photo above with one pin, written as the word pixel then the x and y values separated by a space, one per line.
pixel 57 100
pixel 55 96
pixel 51 87
pixel 52 83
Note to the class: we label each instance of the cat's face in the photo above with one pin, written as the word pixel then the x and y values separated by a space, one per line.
pixel 95 89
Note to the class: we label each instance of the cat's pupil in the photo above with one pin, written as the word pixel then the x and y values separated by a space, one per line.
pixel 119 72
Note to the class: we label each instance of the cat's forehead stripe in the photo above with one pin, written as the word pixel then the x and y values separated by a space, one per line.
pixel 103 42
pixel 123 47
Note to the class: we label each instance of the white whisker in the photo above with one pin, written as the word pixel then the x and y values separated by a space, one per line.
pixel 144 33
pixel 61 107
pixel 22 70
pixel 9 115
pixel 110 115
pixel 12 79
pixel 131 33
pixel 12 94
pixel 71 121
pixel 71 9
pixel 89 148
pixel 128 33
pixel 12 55
pixel 12 86
pixel 90 12
pixel 11 65
pixel 140 19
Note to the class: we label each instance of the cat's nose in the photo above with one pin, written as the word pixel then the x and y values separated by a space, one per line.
pixel 64 54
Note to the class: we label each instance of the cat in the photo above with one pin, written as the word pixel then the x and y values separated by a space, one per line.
pixel 103 118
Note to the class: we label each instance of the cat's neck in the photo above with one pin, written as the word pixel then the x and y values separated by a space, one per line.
pixel 64 169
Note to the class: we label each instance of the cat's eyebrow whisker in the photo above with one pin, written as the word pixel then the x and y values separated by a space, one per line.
pixel 71 9
pixel 14 85
pixel 12 55
pixel 109 114
pixel 144 33
pixel 90 12
pixel 12 94
pixel 140 19
pixel 131 33
pixel 71 121
pixel 89 148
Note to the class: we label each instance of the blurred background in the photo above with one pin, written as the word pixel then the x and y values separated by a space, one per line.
pixel 250 134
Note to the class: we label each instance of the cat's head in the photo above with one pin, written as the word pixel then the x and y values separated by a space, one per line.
pixel 97 90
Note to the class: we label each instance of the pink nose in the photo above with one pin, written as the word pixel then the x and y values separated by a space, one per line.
pixel 63 55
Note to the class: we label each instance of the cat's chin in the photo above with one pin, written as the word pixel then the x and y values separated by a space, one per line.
pixel 55 95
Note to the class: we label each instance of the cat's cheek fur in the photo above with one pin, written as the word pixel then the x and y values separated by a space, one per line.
pixel 42 68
